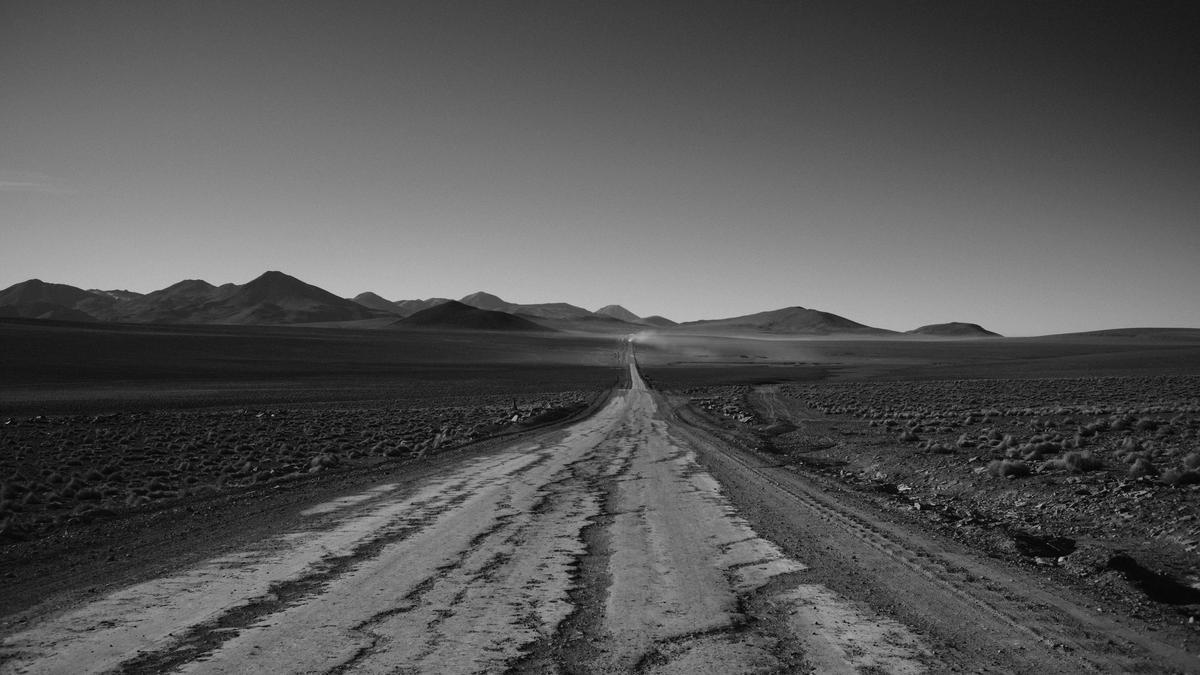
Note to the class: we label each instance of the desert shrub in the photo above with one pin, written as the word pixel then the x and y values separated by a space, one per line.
pixel 1076 462
pixel 907 436
pixel 1142 467
pixel 1008 468
pixel 1179 478
pixel 1082 462
pixel 88 494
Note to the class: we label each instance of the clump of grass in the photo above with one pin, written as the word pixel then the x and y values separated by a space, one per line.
pixel 1142 467
pixel 1192 461
pixel 1077 462
pixel 1008 468
pixel 1175 477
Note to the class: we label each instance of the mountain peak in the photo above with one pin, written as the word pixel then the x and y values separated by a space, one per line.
pixel 954 329
pixel 483 300
pixel 794 320
pixel 376 301
pixel 454 314
pixel 619 312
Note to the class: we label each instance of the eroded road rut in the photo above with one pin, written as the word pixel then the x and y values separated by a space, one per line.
pixel 602 548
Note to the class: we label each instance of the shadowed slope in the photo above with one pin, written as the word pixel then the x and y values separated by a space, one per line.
pixel 410 307
pixel 375 301
pixel 454 314
pixel 954 329
pixel 547 310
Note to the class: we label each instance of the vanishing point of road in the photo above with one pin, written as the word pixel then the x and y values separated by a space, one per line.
pixel 610 546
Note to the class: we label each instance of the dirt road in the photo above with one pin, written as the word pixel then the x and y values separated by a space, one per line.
pixel 609 546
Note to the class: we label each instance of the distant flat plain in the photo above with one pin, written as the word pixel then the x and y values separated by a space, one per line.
pixel 673 360
pixel 58 367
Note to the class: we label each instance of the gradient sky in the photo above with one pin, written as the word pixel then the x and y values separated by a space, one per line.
pixel 1030 166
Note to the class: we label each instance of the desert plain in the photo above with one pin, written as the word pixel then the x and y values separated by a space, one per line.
pixel 341 499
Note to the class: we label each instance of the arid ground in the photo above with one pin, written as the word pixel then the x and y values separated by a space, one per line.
pixel 234 499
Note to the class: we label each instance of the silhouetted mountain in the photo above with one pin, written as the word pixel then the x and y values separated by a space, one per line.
pixel 953 329
pixel 173 304
pixel 410 307
pixel 38 291
pixel 619 312
pixel 659 321
pixel 452 314
pixel 548 310
pixel 275 297
pixel 36 299
pixel 374 301
pixel 791 320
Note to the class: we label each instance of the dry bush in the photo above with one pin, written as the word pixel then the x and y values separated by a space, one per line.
pixel 1177 478
pixel 1192 461
pixel 1008 468
pixel 1076 462
pixel 1142 467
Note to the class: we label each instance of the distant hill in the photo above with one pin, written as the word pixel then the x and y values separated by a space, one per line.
pixel 481 300
pixel 953 329
pixel 36 299
pixel 619 312
pixel 275 297
pixel 789 320
pixel 452 314
pixel 1147 333
pixel 174 304
pixel 38 291
pixel 375 301
pixel 549 310
pixel 410 307
pixel 659 321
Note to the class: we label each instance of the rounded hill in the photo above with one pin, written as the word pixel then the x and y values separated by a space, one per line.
pixel 454 314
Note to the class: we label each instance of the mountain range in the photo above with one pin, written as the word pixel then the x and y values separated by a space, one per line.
pixel 276 298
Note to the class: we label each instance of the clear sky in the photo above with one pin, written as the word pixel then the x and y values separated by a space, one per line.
pixel 1030 166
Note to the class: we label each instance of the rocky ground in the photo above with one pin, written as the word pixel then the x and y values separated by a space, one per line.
pixel 1091 481
pixel 57 471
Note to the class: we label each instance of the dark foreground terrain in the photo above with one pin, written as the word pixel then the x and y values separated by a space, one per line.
pixel 482 501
